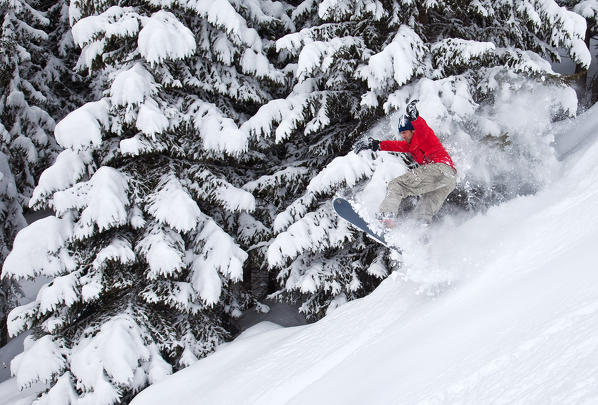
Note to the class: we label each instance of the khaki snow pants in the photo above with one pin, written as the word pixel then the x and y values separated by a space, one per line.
pixel 433 182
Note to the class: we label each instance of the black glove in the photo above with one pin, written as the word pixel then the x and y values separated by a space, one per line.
pixel 411 112
pixel 363 144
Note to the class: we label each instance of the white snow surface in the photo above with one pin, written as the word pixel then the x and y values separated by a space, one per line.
pixel 11 395
pixel 498 308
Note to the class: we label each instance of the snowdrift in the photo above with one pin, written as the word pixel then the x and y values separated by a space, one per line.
pixel 502 308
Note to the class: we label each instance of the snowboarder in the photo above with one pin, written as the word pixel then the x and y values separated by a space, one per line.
pixel 433 179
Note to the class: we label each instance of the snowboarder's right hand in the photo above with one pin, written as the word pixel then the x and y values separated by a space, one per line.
pixel 369 143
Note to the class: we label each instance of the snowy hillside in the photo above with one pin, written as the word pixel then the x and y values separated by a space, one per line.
pixel 502 308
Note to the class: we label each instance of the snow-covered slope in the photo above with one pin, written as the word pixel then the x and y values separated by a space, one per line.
pixel 502 308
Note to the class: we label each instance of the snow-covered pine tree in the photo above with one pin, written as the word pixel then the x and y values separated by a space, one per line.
pixel 26 121
pixel 11 217
pixel 67 88
pixel 27 126
pixel 142 246
pixel 588 9
pixel 319 259
pixel 468 62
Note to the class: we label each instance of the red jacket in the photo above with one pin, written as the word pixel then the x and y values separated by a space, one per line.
pixel 425 147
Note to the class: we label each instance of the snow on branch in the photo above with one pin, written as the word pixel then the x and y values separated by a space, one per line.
pixel 116 21
pixel 111 357
pixel 103 198
pixel 285 114
pixel 294 42
pixel 132 86
pixel 22 318
pixel 317 231
pixel 90 53
pixel 219 251
pixel 83 127
pixel 587 9
pixel 321 118
pixel 265 12
pixel 140 144
pixel 8 186
pixel 38 249
pixel 399 61
pixel 172 205
pixel 287 175
pixel 307 278
pixel 175 294
pixel 119 250
pixel 251 230
pixel 221 47
pixel 528 9
pixel 218 132
pixel 455 52
pixel 377 268
pixel 61 291
pixel 68 168
pixel 439 98
pixel 524 61
pixel 42 359
pixel 222 14
pixel 151 120
pixel 342 171
pixel 216 252
pixel 163 249
pixel 321 55
pixel 206 282
pixel 92 282
pixel 317 276
pixel 212 188
pixel 293 212
pixel 92 32
pixel 257 64
pixel 476 7
pixel 22 7
pixel 63 391
pixel 164 37
pixel 342 9
pixel 568 27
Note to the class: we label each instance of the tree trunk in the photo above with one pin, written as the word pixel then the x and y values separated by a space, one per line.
pixel 585 91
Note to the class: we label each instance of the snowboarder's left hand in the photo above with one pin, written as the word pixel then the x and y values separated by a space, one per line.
pixel 411 112
pixel 363 144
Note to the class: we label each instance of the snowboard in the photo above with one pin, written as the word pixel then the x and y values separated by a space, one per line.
pixel 345 210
